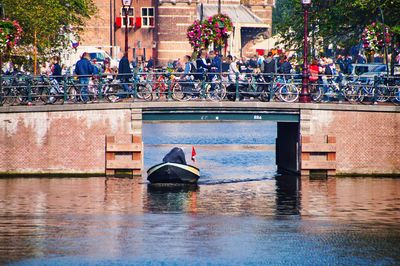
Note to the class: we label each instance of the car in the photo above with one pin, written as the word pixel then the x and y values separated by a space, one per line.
pixel 360 69
pixel 69 58
pixel 368 77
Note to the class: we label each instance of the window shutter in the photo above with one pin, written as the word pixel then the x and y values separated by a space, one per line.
pixel 138 22
pixel 118 22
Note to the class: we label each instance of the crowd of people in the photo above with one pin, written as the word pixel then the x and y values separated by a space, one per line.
pixel 321 68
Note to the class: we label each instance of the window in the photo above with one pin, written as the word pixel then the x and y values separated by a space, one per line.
pixel 148 17
pixel 131 16
pixel 130 11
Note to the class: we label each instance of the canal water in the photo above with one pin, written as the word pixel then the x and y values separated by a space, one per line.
pixel 241 213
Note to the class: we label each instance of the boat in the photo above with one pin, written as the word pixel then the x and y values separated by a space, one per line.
pixel 169 172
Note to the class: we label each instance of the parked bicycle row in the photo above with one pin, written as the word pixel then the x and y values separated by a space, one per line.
pixel 162 85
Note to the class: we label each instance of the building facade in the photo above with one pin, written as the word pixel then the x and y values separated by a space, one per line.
pixel 157 28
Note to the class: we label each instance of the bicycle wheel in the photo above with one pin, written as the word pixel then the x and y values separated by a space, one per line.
pixel 177 92
pixel 52 97
pixel 289 93
pixel 382 93
pixel 144 92
pixel 216 91
pixel 7 94
pixel 72 94
pixel 396 96
pixel 43 91
pixel 112 91
pixel 366 95
pixel 21 96
pixel 351 93
pixel 159 91
pixel 361 94
pixel 316 92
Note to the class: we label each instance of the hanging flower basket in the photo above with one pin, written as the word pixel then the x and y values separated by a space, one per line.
pixel 216 29
pixel 375 36
pixel 10 34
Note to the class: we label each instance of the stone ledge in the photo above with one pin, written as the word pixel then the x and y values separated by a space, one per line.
pixel 201 105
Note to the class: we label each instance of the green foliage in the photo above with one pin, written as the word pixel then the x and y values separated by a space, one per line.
pixel 340 22
pixel 52 22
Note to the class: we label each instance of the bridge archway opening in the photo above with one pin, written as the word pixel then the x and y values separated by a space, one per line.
pixel 226 142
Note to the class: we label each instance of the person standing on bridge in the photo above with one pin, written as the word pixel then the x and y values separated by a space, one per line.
pixel 124 74
pixel 84 69
pixel 215 67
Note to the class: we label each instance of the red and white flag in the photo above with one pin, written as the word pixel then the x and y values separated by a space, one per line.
pixel 193 154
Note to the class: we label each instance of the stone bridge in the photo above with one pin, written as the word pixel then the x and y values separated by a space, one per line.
pixel 331 139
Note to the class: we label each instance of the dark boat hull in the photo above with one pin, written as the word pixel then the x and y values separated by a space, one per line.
pixel 173 173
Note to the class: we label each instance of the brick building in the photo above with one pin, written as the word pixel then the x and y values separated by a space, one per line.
pixel 157 28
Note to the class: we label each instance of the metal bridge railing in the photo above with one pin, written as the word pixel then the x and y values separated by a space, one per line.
pixel 173 86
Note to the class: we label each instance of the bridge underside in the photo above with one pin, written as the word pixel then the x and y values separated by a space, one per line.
pixel 220 115
pixel 287 142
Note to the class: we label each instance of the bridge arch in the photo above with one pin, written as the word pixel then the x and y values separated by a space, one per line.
pixel 287 147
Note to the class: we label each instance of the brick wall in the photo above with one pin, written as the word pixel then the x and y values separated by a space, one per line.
pixel 97 29
pixel 59 142
pixel 167 40
pixel 366 142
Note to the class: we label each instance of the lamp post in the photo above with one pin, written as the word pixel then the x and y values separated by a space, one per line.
pixel 385 34
pixel 305 93
pixel 126 5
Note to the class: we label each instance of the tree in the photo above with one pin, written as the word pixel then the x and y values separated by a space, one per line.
pixel 48 24
pixel 340 22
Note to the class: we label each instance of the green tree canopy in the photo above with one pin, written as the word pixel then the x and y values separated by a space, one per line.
pixel 339 22
pixel 48 24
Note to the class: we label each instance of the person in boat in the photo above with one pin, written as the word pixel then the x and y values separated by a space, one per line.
pixel 176 155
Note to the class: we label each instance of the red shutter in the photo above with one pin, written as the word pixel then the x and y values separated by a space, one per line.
pixel 118 22
pixel 138 22
pixel 131 22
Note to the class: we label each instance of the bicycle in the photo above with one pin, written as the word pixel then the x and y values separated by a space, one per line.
pixel 336 87
pixel 216 89
pixel 253 86
pixel 113 90
pixel 8 92
pixel 53 91
pixel 283 90
pixel 186 89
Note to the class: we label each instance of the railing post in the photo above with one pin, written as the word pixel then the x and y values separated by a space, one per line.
pixel 65 88
pixel 169 84
pixel 203 87
pixel 135 91
pixel 237 87
pixel 29 90
pixel 100 87
pixel 271 87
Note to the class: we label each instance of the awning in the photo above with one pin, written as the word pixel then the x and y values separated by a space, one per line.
pixel 240 15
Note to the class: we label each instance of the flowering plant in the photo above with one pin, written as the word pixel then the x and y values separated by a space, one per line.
pixel 10 34
pixel 215 30
pixel 374 38
pixel 196 35
pixel 221 25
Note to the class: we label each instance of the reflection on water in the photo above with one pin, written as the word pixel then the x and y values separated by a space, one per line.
pixel 226 152
pixel 339 221
pixel 240 213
